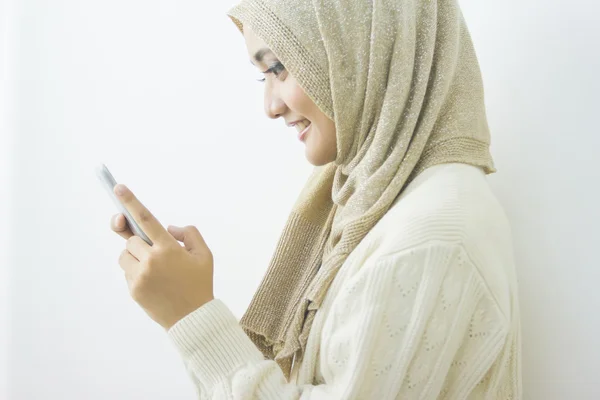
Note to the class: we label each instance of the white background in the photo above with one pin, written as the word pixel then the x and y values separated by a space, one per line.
pixel 164 94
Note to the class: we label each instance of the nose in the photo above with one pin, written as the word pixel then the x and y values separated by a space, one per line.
pixel 274 104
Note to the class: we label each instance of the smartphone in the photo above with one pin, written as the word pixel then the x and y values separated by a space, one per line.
pixel 109 183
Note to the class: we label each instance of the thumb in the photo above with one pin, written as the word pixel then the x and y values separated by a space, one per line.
pixel 189 235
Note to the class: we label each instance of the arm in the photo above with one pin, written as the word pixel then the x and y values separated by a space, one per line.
pixel 395 329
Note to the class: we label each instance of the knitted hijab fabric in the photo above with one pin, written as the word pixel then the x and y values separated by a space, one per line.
pixel 401 81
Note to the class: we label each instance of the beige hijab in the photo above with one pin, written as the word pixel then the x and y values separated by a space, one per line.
pixel 401 81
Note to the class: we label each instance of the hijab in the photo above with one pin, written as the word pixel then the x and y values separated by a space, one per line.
pixel 401 81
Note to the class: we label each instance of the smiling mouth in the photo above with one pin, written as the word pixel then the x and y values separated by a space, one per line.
pixel 304 123
pixel 302 128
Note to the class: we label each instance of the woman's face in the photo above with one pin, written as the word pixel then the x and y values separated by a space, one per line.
pixel 284 98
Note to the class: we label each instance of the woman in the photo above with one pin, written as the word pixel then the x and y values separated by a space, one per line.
pixel 394 276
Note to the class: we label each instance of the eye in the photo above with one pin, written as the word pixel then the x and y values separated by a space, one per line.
pixel 276 69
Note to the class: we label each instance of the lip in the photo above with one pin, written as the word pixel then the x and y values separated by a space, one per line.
pixel 294 123
pixel 302 134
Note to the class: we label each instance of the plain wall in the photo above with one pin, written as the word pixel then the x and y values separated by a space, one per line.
pixel 6 135
pixel 163 93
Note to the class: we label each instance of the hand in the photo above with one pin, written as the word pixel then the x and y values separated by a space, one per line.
pixel 167 280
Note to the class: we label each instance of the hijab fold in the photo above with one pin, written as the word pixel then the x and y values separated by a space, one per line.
pixel 401 81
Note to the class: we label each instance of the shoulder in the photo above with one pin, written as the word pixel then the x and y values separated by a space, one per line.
pixel 448 202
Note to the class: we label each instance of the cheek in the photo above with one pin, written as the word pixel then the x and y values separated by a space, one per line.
pixel 297 100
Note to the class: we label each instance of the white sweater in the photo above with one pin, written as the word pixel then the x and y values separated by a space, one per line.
pixel 424 308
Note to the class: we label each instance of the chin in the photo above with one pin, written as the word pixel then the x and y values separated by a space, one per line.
pixel 318 163
pixel 317 159
pixel 318 151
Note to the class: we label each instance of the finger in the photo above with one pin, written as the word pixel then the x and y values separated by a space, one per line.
pixel 118 224
pixel 128 263
pixel 144 218
pixel 138 248
pixel 190 236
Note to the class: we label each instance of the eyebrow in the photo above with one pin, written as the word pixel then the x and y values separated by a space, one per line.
pixel 260 54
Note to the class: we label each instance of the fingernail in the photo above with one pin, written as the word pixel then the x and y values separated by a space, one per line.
pixel 120 189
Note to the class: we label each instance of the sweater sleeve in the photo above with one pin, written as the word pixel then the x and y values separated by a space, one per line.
pixel 414 324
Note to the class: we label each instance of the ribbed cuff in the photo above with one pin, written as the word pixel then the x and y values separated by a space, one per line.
pixel 213 344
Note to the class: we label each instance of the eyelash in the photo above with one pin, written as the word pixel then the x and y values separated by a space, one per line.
pixel 275 69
